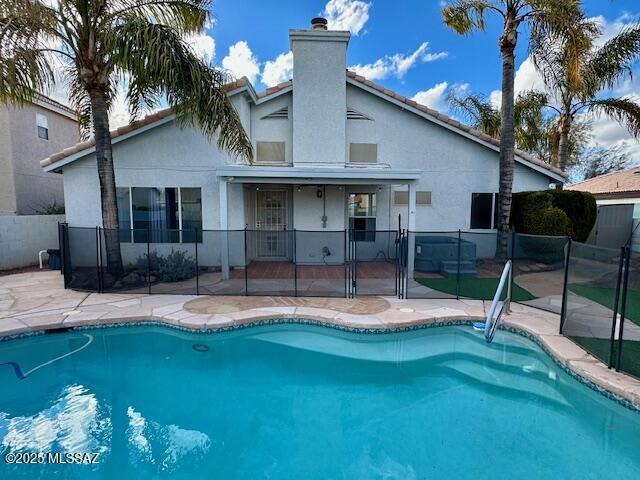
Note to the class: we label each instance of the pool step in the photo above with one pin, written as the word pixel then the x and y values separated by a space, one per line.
pixel 449 268
pixel 535 380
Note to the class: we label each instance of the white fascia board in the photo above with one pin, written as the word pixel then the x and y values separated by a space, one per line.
pixel 426 116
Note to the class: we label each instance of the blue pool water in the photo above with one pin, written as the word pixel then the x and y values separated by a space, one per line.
pixel 304 402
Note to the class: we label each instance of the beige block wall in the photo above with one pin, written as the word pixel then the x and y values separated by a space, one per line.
pixel 7 187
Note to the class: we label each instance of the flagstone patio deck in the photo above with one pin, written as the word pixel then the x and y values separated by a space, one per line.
pixel 37 301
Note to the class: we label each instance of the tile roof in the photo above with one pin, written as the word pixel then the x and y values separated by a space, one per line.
pixel 285 85
pixel 625 181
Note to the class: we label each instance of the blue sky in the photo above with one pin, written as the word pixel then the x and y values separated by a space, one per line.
pixel 250 38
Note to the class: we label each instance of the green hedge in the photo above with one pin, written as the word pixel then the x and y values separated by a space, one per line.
pixel 554 212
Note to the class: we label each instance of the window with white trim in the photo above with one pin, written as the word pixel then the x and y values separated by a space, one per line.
pixel 363 153
pixel 484 211
pixel 270 152
pixel 168 215
pixel 362 216
pixel 42 125
pixel 401 197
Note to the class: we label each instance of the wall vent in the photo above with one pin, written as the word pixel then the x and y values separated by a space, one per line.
pixel 353 115
pixel 282 113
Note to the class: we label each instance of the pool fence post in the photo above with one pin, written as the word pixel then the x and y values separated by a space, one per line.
pixel 195 231
pixel 511 270
pixel 401 257
pixel 458 267
pixel 563 309
pixel 246 265
pixel 295 265
pixel 623 306
pixel 149 258
pixel 615 306
pixel 98 268
pixel 61 248
pixel 346 268
pixel 64 255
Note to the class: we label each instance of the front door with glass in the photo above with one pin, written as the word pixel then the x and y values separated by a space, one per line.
pixel 271 224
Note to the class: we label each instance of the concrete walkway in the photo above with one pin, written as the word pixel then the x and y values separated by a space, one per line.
pixel 37 301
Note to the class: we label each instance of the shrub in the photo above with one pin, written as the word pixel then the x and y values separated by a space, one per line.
pixel 581 209
pixel 554 212
pixel 175 267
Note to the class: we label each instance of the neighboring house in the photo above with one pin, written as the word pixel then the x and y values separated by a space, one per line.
pixel 27 134
pixel 333 151
pixel 618 199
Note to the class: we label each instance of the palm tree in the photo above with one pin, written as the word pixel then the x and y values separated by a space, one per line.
pixel 543 17
pixel 576 73
pixel 98 43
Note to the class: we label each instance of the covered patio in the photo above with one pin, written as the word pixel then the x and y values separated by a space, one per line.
pixel 302 215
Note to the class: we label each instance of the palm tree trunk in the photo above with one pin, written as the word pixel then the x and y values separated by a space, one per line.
pixel 563 146
pixel 507 42
pixel 106 175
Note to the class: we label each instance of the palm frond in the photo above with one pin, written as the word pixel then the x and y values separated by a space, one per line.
pixel 185 16
pixel 550 17
pixel 465 16
pixel 624 110
pixel 160 62
pixel 529 120
pixel 25 67
pixel 478 112
pixel 614 59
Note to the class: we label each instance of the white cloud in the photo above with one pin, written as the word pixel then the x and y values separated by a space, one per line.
pixel 433 97
pixel 398 64
pixel 347 15
pixel 528 78
pixel 203 45
pixel 436 96
pixel 496 99
pixel 278 70
pixel 241 62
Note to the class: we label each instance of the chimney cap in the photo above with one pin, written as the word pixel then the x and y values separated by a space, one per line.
pixel 319 23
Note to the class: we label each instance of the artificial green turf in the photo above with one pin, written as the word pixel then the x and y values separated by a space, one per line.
pixel 600 348
pixel 477 288
pixel 605 297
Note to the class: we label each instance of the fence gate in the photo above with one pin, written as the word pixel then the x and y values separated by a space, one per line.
pixel 376 262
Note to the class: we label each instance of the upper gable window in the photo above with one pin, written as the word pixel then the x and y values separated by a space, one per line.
pixel 43 126
pixel 363 153
pixel 270 152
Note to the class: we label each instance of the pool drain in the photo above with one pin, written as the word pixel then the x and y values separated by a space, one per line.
pixel 198 347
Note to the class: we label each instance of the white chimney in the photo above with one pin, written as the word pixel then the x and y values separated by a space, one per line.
pixel 319 94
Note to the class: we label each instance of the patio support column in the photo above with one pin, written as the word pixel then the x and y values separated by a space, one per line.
pixel 411 225
pixel 224 227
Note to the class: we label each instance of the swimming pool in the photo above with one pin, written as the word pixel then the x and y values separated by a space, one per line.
pixel 299 401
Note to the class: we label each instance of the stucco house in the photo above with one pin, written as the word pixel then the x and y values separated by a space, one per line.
pixel 27 134
pixel 333 151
